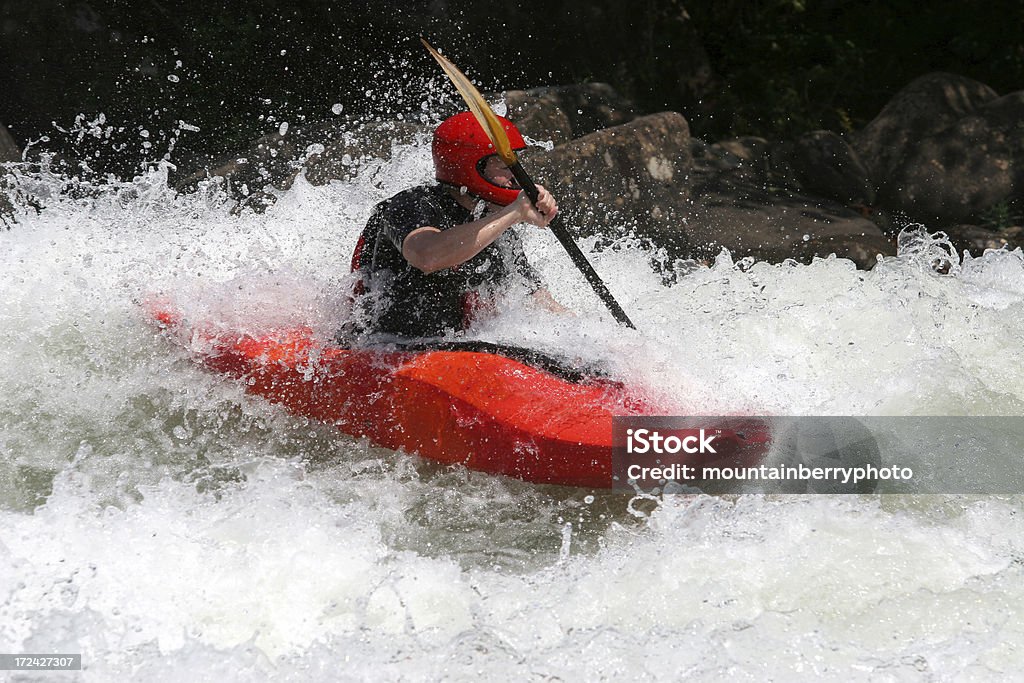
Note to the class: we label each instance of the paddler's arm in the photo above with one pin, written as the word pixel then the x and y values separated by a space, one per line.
pixel 429 249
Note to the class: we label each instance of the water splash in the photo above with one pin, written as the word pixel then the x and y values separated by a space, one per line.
pixel 152 513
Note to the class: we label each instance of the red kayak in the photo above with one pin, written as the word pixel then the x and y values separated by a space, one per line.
pixel 488 407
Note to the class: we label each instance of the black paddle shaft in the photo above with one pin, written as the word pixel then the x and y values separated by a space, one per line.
pixel 581 262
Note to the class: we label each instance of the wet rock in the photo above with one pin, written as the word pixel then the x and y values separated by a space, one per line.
pixel 925 107
pixel 346 150
pixel 751 154
pixel 957 174
pixel 649 177
pixel 563 113
pixel 773 227
pixel 8 152
pixel 1014 236
pixel 325 151
pixel 337 150
pixel 822 163
pixel 735 208
pixel 270 162
pixel 539 117
pixel 730 165
pixel 9 149
pixel 646 178
pixel 977 239
pixel 946 149
pixel 632 177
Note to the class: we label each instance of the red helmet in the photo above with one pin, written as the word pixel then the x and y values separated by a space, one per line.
pixel 461 148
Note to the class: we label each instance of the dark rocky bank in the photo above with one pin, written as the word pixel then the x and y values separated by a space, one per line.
pixel 946 151
pixel 803 130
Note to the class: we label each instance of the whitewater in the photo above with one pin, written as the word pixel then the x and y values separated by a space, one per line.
pixel 167 526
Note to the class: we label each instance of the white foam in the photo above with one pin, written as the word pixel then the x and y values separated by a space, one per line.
pixel 167 526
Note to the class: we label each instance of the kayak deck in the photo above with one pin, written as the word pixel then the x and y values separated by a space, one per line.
pixel 478 408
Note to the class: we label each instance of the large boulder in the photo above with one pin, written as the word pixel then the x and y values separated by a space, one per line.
pixel 649 177
pixel 339 154
pixel 736 207
pixel 822 163
pixel 628 178
pixel 336 150
pixel 793 226
pixel 961 172
pixel 539 116
pixel 946 149
pixel 325 151
pixel 562 113
pixel 925 107
pixel 819 163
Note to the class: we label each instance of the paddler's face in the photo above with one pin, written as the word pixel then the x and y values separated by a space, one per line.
pixel 497 172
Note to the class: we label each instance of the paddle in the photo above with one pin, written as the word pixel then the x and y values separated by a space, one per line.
pixel 489 122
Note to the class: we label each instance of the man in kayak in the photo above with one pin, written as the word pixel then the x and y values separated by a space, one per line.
pixel 432 257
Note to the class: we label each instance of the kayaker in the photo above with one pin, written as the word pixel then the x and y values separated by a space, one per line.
pixel 433 257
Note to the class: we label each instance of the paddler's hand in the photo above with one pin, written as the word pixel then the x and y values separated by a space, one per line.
pixel 541 214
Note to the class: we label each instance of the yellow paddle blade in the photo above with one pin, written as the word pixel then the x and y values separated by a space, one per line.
pixel 478 105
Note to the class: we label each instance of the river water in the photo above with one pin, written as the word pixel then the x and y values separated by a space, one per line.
pixel 168 527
